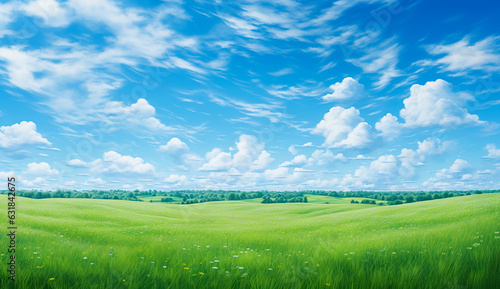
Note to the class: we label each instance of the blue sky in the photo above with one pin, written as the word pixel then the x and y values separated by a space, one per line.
pixel 249 95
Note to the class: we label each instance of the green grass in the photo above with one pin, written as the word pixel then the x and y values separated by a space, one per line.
pixel 448 243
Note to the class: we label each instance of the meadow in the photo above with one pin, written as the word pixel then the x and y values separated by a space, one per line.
pixel 89 243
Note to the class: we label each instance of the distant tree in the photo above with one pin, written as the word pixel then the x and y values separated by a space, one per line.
pixel 409 199
pixel 231 196
pixel 305 200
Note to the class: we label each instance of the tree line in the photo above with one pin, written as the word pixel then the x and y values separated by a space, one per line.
pixel 268 197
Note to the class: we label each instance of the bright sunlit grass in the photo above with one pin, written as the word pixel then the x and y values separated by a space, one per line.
pixel 80 243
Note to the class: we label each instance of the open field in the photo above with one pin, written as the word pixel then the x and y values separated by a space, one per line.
pixel 86 243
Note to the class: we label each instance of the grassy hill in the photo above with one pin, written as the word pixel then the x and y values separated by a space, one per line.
pixel 84 243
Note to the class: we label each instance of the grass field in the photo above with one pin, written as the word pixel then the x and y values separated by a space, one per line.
pixel 84 243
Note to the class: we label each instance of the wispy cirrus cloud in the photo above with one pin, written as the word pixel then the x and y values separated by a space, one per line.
pixel 463 56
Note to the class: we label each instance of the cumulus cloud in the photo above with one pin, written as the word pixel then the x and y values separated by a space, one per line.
pixel 176 180
pixel 349 88
pixel 40 169
pixel 493 152
pixel 77 163
pixel 298 160
pixel 436 104
pixel 344 128
pixel 9 174
pixel 21 134
pixel 324 157
pixel 389 126
pixel 37 183
pixel 459 175
pixel 410 159
pixel 139 114
pixel 113 162
pixel 250 156
pixel 388 170
pixel 175 146
pixel 380 171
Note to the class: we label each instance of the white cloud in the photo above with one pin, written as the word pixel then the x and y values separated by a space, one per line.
pixel 462 56
pixel 6 11
pixel 113 162
pixel 436 104
pixel 51 11
pixel 389 126
pixel 493 152
pixel 37 183
pixel 413 158
pixel 9 174
pixel 389 170
pixel 460 167
pixel 349 88
pixel 20 134
pixel 382 59
pixel 324 157
pixel 95 181
pixel 267 110
pixel 299 160
pixel 75 79
pixel 250 156
pixel 362 157
pixel 278 173
pixel 175 146
pixel 379 172
pixel 77 163
pixel 181 63
pixel 298 91
pixel 139 114
pixel 217 160
pixel 359 137
pixel 461 176
pixel 460 170
pixel 344 128
pixel 174 179
pixel 282 72
pixel 40 169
